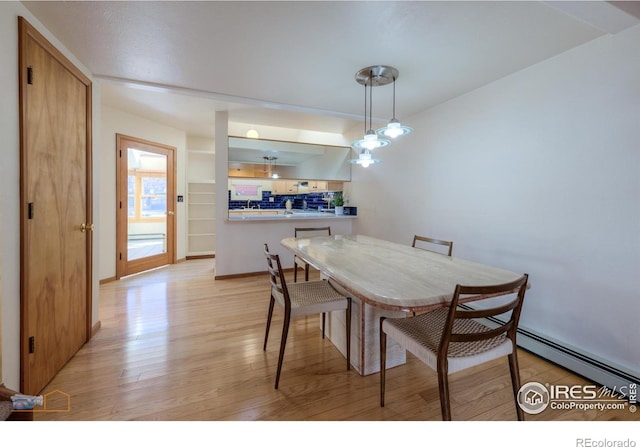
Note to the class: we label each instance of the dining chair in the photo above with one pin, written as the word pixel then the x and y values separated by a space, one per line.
pixel 298 262
pixel 418 239
pixel 451 339
pixel 301 299
pixel 417 243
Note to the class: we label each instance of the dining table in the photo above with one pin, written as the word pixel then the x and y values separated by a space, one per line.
pixel 387 279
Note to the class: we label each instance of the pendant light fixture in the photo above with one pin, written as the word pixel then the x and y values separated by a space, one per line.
pixel 372 76
pixel 394 129
pixel 375 76
pixel 365 159
pixel 273 173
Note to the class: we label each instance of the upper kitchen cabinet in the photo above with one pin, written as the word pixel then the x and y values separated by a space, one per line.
pixel 318 186
pixel 285 187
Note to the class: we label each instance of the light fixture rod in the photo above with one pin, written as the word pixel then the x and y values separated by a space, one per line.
pixel 394 97
pixel 365 108
pixel 371 102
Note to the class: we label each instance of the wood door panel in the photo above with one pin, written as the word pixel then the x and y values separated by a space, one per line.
pixel 55 265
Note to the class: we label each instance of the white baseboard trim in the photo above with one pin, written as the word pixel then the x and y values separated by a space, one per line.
pixel 614 377
pixel 599 371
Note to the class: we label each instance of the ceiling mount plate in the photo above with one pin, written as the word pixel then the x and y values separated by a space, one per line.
pixel 377 75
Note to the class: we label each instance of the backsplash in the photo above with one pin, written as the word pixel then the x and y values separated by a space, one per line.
pixel 313 201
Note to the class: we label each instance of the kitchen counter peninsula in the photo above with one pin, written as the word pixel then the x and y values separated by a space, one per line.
pixel 253 214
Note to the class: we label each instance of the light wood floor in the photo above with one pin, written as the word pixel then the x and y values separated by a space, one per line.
pixel 177 345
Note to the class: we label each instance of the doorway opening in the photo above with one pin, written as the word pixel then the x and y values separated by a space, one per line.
pixel 145 229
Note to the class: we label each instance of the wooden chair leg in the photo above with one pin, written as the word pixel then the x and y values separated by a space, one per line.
pixel 515 382
pixel 383 361
pixel 443 385
pixel 324 314
pixel 306 272
pixel 295 271
pixel 269 315
pixel 283 342
pixel 348 326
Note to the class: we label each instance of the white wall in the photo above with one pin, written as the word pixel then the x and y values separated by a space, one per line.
pixel 115 121
pixel 538 172
pixel 195 143
pixel 10 187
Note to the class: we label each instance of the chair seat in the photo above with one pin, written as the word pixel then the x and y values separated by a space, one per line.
pixel 455 336
pixel 302 299
pixel 312 297
pixel 421 336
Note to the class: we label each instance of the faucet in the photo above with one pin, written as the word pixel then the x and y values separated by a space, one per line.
pixel 327 198
pixel 248 203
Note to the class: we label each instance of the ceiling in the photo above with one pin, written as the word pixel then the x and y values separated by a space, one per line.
pixel 292 64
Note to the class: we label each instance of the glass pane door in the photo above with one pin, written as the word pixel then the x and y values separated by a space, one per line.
pixel 146 204
pixel 145 227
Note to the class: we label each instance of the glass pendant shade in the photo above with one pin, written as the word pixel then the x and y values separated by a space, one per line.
pixel 273 173
pixel 370 142
pixel 365 159
pixel 394 129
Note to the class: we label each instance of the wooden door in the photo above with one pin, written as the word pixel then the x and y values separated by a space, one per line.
pixel 56 209
pixel 1 381
pixel 145 205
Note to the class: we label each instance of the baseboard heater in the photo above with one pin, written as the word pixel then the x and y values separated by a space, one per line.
pixel 598 371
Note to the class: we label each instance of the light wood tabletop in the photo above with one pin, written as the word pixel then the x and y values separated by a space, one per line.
pixel 393 276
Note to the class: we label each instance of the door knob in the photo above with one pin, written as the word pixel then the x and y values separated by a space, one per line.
pixel 84 227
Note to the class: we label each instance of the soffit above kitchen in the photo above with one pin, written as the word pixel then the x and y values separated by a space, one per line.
pixel 292 64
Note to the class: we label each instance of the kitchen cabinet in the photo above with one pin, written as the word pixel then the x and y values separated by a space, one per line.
pixel 278 187
pixel 284 187
pixel 318 186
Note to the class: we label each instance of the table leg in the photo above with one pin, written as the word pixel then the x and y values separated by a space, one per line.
pixel 365 341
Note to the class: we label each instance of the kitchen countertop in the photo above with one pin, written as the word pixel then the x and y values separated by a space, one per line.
pixel 239 215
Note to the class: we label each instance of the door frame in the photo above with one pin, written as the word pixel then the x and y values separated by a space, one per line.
pixel 122 265
pixel 25 31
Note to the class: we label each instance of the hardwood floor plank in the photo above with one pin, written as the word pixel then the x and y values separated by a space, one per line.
pixel 175 344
